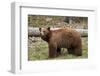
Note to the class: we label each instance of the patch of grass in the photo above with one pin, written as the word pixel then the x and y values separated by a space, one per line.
pixel 39 51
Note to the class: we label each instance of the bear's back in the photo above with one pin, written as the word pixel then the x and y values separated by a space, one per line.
pixel 65 37
pixel 65 32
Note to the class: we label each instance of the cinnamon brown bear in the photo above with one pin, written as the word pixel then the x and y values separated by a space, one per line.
pixel 62 38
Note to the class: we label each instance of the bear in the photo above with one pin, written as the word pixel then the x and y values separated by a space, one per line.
pixel 62 38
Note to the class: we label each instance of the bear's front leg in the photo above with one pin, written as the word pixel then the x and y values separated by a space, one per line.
pixel 70 51
pixel 52 51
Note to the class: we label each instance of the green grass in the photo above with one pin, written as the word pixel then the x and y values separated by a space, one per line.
pixel 39 51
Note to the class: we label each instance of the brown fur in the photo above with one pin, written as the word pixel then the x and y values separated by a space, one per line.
pixel 62 38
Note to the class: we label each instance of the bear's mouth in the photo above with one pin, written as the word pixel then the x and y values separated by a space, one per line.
pixel 45 38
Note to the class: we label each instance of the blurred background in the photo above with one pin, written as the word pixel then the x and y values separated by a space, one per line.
pixel 58 21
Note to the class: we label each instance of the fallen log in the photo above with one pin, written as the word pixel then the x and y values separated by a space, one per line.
pixel 83 32
pixel 34 32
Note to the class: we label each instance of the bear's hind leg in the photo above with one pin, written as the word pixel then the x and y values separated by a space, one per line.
pixel 78 51
pixel 58 51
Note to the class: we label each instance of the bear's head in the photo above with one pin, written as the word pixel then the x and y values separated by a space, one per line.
pixel 45 33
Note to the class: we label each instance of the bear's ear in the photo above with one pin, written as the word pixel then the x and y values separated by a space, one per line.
pixel 39 29
pixel 48 28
